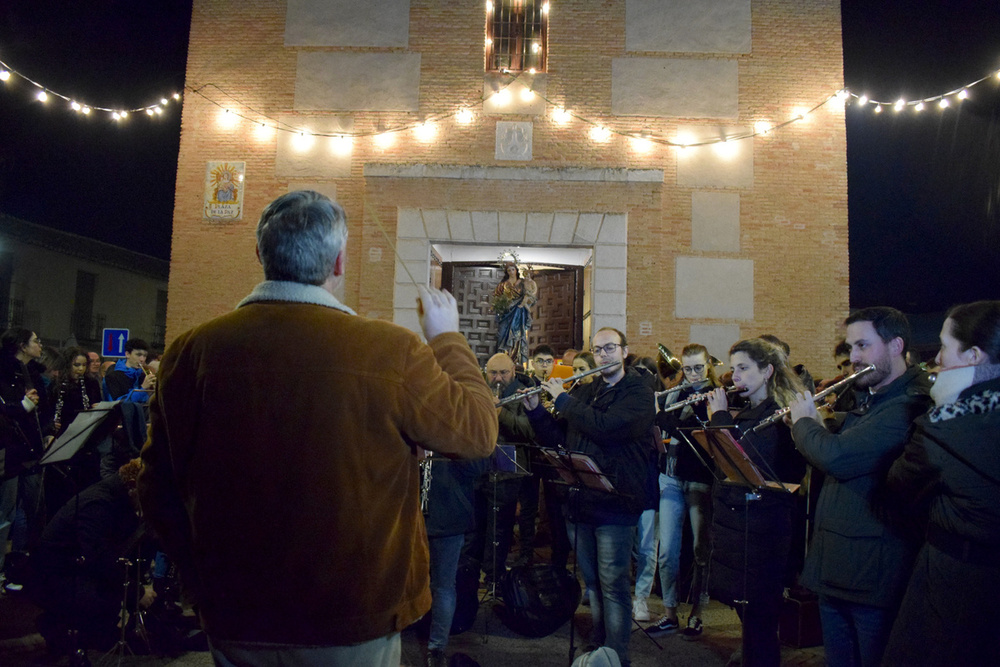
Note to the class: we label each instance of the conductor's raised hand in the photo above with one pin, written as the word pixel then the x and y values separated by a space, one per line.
pixel 438 311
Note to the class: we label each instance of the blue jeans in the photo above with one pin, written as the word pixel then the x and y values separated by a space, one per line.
pixel 604 553
pixel 675 497
pixel 646 543
pixel 854 635
pixel 445 552
pixel 382 652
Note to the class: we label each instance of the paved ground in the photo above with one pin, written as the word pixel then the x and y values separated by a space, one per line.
pixel 489 642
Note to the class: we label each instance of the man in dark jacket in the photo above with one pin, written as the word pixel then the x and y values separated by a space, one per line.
pixel 611 421
pixel 858 563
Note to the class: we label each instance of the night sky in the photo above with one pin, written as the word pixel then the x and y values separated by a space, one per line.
pixel 924 189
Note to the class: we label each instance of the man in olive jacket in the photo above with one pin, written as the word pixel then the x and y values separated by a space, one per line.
pixel 857 562
pixel 279 471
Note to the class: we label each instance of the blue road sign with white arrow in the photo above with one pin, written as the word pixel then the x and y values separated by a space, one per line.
pixel 113 342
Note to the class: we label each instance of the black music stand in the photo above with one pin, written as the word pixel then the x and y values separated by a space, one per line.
pixel 78 433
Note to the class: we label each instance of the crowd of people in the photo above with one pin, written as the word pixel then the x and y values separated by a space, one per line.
pixel 313 478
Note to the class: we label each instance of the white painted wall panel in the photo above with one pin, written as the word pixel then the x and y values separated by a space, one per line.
pixel 714 288
pixel 682 26
pixel 378 23
pixel 674 88
pixel 357 81
pixel 715 221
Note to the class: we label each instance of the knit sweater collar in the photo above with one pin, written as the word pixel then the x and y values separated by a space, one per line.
pixel 286 290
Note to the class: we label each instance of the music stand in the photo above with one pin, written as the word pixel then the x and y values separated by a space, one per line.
pixel 733 460
pixel 77 433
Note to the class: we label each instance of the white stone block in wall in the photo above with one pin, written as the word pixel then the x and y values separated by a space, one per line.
pixel 715 221
pixel 614 229
pixel 720 165
pixel 539 228
pixel 609 303
pixel 301 156
pixel 608 278
pixel 460 225
pixel 714 288
pixel 564 227
pixel 718 338
pixel 412 249
pixel 513 140
pixel 588 225
pixel 436 223
pixel 602 320
pixel 512 226
pixel 357 81
pixel 419 271
pixel 485 226
pixel 410 224
pixel 377 23
pixel 682 26
pixel 611 255
pixel 674 87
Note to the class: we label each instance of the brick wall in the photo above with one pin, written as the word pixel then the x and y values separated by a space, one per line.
pixel 793 218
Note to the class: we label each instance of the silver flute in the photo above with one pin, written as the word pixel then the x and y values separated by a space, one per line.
pixel 513 398
pixel 767 421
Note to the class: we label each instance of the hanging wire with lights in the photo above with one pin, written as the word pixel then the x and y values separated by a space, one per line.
pixel 43 93
pixel 942 101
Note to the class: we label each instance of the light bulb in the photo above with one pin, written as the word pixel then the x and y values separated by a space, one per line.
pixel 42 96
pixel 4 75
pixel 964 94
pixel 898 106
pixel 527 94
pixel 464 116
pixel 761 127
pixel 878 108
pixel 919 106
pixel 943 103
pixel 561 116
pixel 600 133
pixel 75 106
pixel 863 100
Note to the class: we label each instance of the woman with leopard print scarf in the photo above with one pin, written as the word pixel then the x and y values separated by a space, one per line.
pixel 950 612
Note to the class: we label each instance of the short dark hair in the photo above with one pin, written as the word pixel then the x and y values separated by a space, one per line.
pixel 889 323
pixel 12 340
pixel 542 349
pixel 978 324
pixel 842 349
pixel 621 336
pixel 133 344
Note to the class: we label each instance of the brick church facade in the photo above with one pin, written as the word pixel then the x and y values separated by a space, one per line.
pixel 423 119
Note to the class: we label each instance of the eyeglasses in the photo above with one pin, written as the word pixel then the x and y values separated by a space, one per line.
pixel 542 362
pixel 844 365
pixel 694 369
pixel 607 349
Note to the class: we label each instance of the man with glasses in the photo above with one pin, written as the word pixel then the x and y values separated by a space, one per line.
pixel 685 483
pixel 611 421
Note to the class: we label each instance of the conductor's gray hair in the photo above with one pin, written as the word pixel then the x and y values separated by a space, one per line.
pixel 299 236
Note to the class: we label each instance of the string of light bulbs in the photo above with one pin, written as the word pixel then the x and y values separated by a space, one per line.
pixel 943 100
pixel 44 93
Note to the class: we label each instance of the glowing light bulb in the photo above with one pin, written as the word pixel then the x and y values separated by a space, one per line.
pixel 761 127
pixel 464 116
pixel 502 97
pixel 842 95
pixel 302 141
pixel 385 140
pixel 163 100
pixel 878 108
pixel 531 70
pixel 545 8
pixel 898 106
pixel 263 131
pixel 800 113
pixel 527 94
pixel 919 106
pixel 964 95
pixel 725 149
pixel 116 115
pixel 561 116
pixel 75 106
pixel 341 145
pixel 600 133
pixel 149 112
pixel 85 110
pixel 641 144
pixel 425 131
pixel 535 47
pixel 42 96
pixel 177 96
pixel 943 103
pixel 489 6
pixel 123 114
pixel 4 75
pixel 863 100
